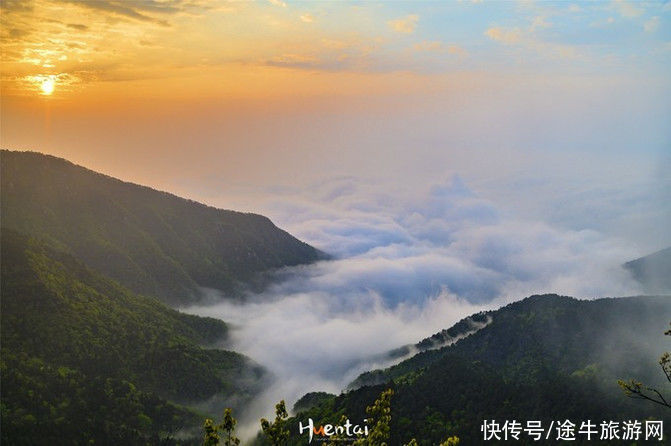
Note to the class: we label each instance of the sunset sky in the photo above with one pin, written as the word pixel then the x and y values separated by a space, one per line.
pixel 229 102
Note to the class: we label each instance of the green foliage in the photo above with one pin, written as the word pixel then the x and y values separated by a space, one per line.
pixel 276 432
pixel 379 418
pixel 45 405
pixel 80 349
pixel 451 441
pixel 149 241
pixel 338 438
pixel 554 332
pixel 544 358
pixel 226 428
pixel 311 399
pixel 211 433
pixel 636 389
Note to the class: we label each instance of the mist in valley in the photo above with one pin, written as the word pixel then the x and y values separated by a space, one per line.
pixel 401 271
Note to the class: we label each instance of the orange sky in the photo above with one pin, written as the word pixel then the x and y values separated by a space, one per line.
pixel 209 98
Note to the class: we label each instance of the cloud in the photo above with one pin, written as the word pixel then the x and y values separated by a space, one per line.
pixel 278 3
pixel 405 25
pixel 318 342
pixel 539 22
pixel 329 54
pixel 507 36
pixel 294 60
pixel 438 46
pixel 78 26
pixel 134 9
pixel 651 25
pixel 406 267
pixel 307 18
pixel 528 39
pixel 627 9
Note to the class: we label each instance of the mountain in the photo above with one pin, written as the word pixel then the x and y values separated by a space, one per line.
pixel 543 358
pixel 151 242
pixel 84 359
pixel 653 271
pixel 449 336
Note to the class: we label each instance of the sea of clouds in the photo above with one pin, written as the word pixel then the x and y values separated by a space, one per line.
pixel 405 265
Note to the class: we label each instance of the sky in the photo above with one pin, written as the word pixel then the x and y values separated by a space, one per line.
pixel 451 156
pixel 531 103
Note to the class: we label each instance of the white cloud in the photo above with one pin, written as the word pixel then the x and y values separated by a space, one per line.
pixel 405 25
pixel 307 18
pixel 628 9
pixel 528 40
pixel 539 22
pixel 507 36
pixel 406 267
pixel 651 25
pixel 438 46
pixel 278 3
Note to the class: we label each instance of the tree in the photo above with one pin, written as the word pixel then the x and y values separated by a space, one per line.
pixel 276 432
pixel 212 437
pixel 451 441
pixel 211 433
pixel 379 417
pixel 638 390
pixel 339 438
pixel 228 426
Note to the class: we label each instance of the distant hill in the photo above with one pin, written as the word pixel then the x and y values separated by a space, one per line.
pixel 151 242
pixel 653 271
pixel 543 358
pixel 85 359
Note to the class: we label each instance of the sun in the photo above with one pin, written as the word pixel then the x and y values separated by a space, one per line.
pixel 47 86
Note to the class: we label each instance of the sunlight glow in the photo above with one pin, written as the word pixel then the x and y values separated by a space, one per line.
pixel 47 85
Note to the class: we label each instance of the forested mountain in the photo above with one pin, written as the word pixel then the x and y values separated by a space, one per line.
pixel 446 337
pixel 544 358
pixel 85 359
pixel 149 241
pixel 653 271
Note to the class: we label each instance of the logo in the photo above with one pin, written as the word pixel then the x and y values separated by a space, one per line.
pixel 347 430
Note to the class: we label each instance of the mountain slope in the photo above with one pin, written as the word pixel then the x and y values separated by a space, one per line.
pixel 543 358
pixel 151 242
pixel 653 271
pixel 558 330
pixel 83 355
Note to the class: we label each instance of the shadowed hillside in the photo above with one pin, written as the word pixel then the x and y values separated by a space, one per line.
pixel 653 271
pixel 84 358
pixel 543 358
pixel 151 242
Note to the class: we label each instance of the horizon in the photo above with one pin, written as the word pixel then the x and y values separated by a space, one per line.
pixel 553 111
pixel 130 182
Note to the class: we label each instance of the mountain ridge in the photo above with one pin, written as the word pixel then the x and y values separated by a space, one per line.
pixel 546 357
pixel 653 271
pixel 151 241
